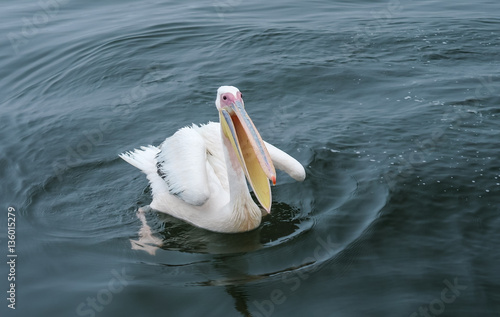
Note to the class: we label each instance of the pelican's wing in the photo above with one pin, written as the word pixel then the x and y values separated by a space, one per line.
pixel 286 163
pixel 182 163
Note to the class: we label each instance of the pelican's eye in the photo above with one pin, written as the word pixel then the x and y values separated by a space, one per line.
pixel 224 97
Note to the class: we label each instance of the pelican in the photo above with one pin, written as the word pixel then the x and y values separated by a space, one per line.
pixel 200 173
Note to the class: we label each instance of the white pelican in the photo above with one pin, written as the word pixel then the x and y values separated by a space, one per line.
pixel 198 174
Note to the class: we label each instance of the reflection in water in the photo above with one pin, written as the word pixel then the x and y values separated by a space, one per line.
pixel 169 233
pixel 147 241
pixel 176 235
pixel 240 299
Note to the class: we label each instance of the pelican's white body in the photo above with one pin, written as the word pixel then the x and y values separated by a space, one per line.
pixel 197 160
pixel 198 175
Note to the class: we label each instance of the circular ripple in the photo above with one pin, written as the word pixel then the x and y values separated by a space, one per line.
pixel 311 224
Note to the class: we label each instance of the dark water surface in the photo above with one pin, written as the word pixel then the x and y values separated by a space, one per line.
pixel 392 106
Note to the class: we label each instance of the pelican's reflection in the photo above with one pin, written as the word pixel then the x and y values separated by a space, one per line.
pixel 147 241
pixel 230 253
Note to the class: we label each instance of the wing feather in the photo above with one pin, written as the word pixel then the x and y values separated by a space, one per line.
pixel 181 162
pixel 286 163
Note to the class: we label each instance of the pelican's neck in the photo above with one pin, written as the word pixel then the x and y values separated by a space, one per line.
pixel 245 214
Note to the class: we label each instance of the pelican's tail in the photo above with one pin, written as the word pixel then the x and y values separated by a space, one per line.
pixel 144 159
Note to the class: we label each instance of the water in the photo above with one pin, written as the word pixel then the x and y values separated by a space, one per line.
pixel 392 107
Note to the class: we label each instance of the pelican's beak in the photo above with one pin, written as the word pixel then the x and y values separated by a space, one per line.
pixel 251 150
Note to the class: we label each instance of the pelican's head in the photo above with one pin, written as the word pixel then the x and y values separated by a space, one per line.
pixel 246 142
pixel 226 95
